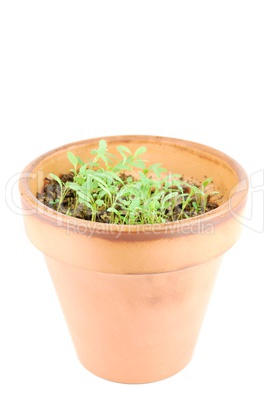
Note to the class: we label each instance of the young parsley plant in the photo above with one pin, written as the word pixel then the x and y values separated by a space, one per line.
pixel 124 190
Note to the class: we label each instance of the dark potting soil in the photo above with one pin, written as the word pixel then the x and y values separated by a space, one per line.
pixel 52 192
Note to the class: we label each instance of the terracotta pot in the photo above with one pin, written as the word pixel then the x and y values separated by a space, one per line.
pixel 134 297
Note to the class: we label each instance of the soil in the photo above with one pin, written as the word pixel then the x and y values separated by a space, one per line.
pixel 52 192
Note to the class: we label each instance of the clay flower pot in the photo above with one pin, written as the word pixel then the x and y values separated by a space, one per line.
pixel 134 296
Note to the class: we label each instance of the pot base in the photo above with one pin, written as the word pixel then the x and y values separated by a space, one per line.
pixel 137 380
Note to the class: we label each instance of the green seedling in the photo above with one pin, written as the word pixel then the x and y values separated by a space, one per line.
pixel 122 189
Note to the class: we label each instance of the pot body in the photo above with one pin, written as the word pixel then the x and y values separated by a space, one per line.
pixel 134 297
pixel 134 328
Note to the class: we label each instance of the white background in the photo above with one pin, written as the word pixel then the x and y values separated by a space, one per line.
pixel 196 70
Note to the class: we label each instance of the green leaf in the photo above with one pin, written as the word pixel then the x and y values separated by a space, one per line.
pixel 101 194
pixel 56 178
pixel 156 204
pixel 100 152
pixel 124 202
pixel 145 180
pixel 169 196
pixel 140 151
pixel 206 182
pixel 134 204
pixel 102 145
pixel 99 203
pixel 72 158
pixel 85 198
pixel 80 161
pixel 178 184
pixel 122 149
pixel 157 169
pixel 82 170
pixel 111 175
pixel 79 180
pixel 103 185
pixel 97 177
pixel 73 186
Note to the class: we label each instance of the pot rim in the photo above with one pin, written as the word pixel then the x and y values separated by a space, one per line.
pixel 37 207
